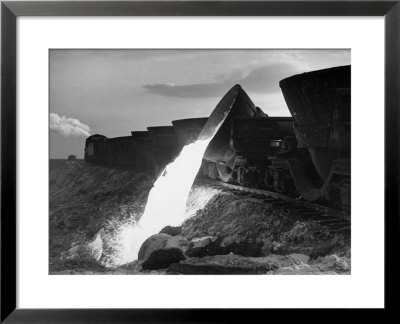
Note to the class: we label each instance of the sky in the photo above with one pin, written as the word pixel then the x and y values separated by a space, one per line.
pixel 113 92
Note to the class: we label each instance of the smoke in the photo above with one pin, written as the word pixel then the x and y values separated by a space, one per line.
pixel 68 126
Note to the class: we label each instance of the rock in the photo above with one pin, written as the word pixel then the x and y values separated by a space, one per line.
pixel 171 230
pixel 299 258
pixel 295 261
pixel 160 250
pixel 302 271
pixel 154 242
pixel 314 250
pixel 159 241
pixel 237 245
pixel 134 265
pixel 333 262
pixel 123 271
pixel 202 246
pixel 162 258
pixel 224 264
pixel 200 242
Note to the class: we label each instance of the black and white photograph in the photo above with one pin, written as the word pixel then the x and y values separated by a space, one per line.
pixel 199 161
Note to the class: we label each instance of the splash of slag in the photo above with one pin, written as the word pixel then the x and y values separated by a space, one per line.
pixel 166 204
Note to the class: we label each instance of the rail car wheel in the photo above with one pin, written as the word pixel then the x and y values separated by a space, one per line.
pixel 241 176
pixel 283 182
pixel 249 177
pixel 256 177
pixel 339 194
pixel 269 179
pixel 345 194
pixel 225 173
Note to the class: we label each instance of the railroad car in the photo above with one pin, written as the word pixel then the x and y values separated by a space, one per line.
pixel 239 151
pixel 125 151
pixel 95 149
pixel 164 144
pixel 305 156
pixel 319 102
pixel 188 130
pixel 142 150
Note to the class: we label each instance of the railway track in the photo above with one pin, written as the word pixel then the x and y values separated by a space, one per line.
pixel 337 221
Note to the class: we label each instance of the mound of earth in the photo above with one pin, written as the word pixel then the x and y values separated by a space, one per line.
pixel 85 199
pixel 249 227
pixel 226 231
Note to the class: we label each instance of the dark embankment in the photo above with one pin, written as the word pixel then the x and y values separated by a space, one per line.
pixel 229 234
pixel 86 200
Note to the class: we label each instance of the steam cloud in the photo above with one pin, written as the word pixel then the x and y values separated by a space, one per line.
pixel 68 126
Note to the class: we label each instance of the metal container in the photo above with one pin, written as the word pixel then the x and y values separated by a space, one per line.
pixel 188 130
pixel 143 150
pixel 165 144
pixel 95 149
pixel 319 102
pixel 258 137
pixel 235 103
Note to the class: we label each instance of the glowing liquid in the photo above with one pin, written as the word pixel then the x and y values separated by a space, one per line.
pixel 166 204
pixel 128 235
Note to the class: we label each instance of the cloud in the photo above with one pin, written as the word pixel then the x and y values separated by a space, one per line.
pixel 68 126
pixel 264 79
pixel 201 90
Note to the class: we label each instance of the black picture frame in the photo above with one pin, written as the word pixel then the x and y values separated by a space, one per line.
pixel 10 10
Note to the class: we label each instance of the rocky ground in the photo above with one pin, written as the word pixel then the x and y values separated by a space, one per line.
pixel 229 234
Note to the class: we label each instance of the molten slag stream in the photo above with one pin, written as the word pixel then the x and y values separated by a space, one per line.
pixel 166 204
